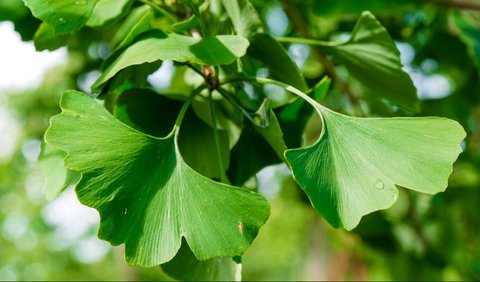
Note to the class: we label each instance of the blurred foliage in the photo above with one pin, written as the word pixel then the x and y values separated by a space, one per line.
pixel 420 238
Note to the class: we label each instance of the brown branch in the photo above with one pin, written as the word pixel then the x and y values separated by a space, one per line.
pixel 300 26
pixel 458 4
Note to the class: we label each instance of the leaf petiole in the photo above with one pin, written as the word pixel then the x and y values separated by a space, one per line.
pixel 185 106
pixel 223 176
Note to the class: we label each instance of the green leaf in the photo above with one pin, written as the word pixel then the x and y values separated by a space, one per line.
pixel 273 134
pixel 251 153
pixel 201 107
pixel 45 38
pixel 64 16
pixel 186 267
pixel 197 145
pixel 244 17
pixel 469 28
pixel 147 111
pixel 294 116
pixel 218 50
pixel 12 10
pixel 371 56
pixel 354 167
pixel 281 66
pixel 347 7
pixel 106 11
pixel 57 176
pixel 147 196
pixel 138 21
pixel 186 25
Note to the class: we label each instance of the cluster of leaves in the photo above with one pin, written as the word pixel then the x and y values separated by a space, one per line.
pixel 166 170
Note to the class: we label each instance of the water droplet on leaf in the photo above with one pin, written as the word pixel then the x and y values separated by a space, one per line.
pixel 379 184
pixel 125 211
pixel 62 21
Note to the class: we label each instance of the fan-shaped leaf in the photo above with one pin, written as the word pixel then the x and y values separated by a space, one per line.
pixel 147 197
pixel 371 56
pixel 218 50
pixel 64 16
pixel 355 166
pixel 57 176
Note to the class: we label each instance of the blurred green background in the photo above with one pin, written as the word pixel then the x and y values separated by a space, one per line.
pixel 420 238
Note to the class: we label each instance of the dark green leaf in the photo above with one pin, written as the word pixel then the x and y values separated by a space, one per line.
pixel 147 111
pixel 197 146
pixel 250 155
pixel 469 28
pixel 281 66
pixel 186 267
pixel 371 56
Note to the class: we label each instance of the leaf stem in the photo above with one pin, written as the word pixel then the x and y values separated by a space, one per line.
pixel 223 176
pixel 301 40
pixel 185 106
pixel 196 69
pixel 261 80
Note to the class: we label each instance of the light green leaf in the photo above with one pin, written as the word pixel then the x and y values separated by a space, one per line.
pixel 186 267
pixel 244 17
pixel 105 11
pixel 64 16
pixel 138 21
pixel 147 196
pixel 218 50
pixel 57 176
pixel 354 167
pixel 371 56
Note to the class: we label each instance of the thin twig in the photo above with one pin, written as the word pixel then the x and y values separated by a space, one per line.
pixel 299 24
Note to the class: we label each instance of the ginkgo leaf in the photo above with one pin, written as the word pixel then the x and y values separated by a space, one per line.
pixel 217 50
pixel 371 56
pixel 186 267
pixel 105 11
pixel 57 176
pixel 64 16
pixel 244 17
pixel 147 197
pixel 45 38
pixel 354 167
